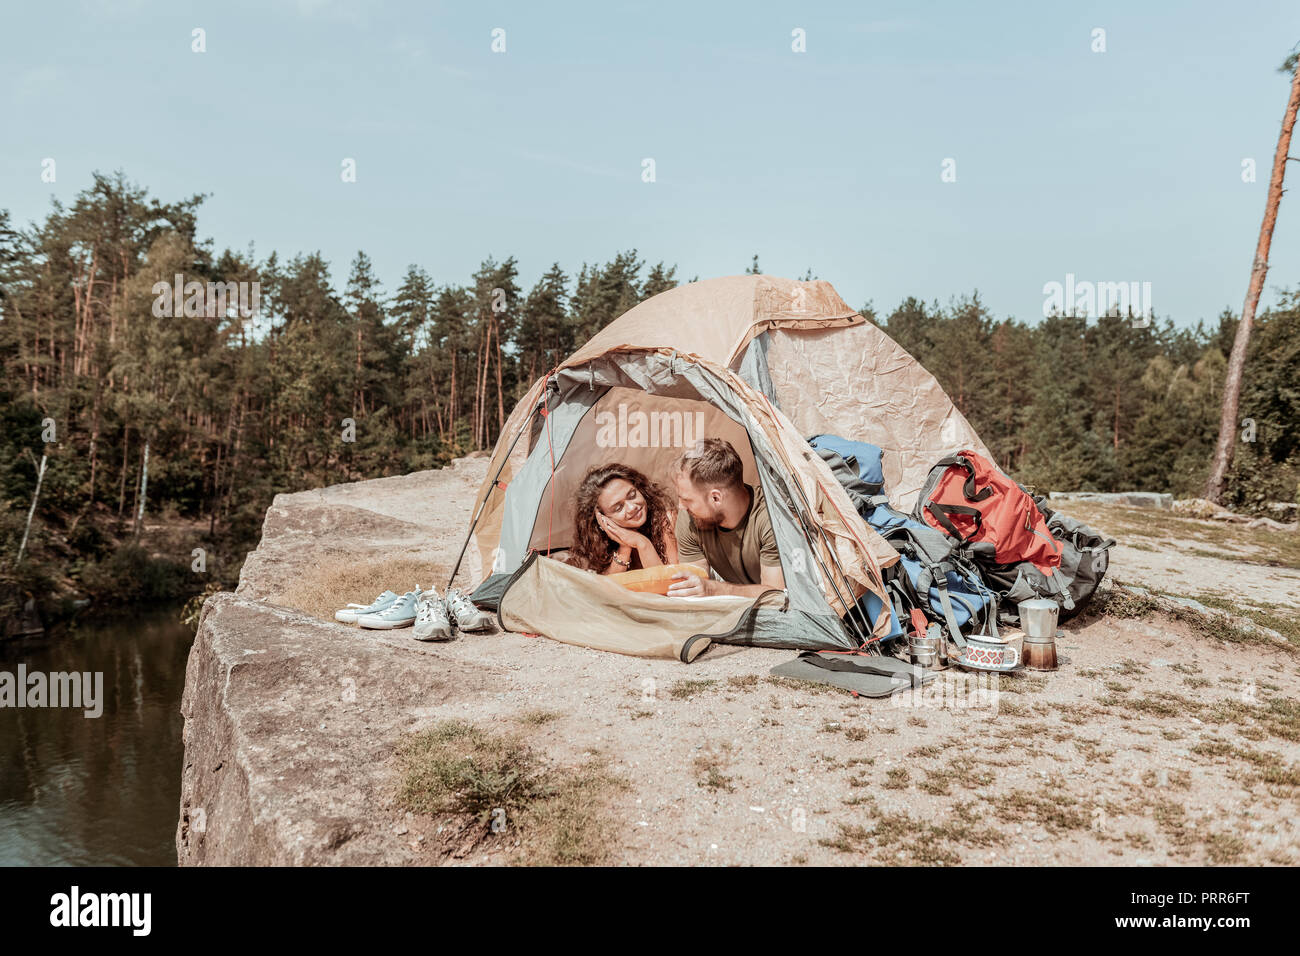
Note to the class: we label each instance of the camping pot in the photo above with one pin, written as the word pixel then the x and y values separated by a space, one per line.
pixel 924 650
pixel 1038 620
pixel 925 657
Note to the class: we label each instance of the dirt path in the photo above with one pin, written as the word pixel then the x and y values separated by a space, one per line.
pixel 1156 742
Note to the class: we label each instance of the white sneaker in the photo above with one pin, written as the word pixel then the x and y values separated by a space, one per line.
pixel 401 613
pixel 350 613
pixel 465 614
pixel 431 621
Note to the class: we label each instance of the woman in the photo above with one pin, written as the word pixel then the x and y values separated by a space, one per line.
pixel 623 521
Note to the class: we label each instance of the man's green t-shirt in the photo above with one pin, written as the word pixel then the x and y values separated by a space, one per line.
pixel 737 554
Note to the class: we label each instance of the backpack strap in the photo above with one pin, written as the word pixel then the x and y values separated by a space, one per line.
pixel 1058 578
pixel 941 513
pixel 841 664
pixel 968 489
pixel 938 575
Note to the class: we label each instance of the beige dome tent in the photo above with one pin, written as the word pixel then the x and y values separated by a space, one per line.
pixel 758 360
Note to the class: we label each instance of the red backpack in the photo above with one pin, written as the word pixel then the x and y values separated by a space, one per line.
pixel 970 500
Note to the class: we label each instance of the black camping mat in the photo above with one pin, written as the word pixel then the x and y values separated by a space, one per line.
pixel 861 674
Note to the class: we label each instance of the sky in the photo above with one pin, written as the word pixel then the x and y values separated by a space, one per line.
pixel 1115 165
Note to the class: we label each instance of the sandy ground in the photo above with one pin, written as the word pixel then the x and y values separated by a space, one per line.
pixel 1153 743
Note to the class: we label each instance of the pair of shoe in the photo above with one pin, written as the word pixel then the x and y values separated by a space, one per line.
pixel 431 615
pixel 436 618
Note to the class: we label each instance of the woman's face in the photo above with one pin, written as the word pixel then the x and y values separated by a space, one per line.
pixel 622 503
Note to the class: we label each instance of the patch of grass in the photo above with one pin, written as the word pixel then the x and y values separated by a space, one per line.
pixel 962 771
pixel 561 816
pixel 454 767
pixel 1224 848
pixel 1119 602
pixel 1011 708
pixel 709 766
pixel 1155 704
pixel 1196 683
pixel 1282 717
pixel 686 689
pixel 896 778
pixel 743 681
pixel 1216 555
pixel 1022 684
pixel 898 836
pixel 1214 747
pixel 1281 776
pixel 1092 750
pixel 1053 808
pixel 1288 626
pixel 1137 840
pixel 925 752
pixel 538 717
pixel 1171 820
pixel 856 733
pixel 642 714
pixel 1122 603
pixel 1116 687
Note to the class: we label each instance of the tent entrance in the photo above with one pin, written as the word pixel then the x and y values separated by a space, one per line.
pixel 634 428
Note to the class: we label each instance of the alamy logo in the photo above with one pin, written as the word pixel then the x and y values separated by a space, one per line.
pixel 1091 299
pixel 210 300
pixel 638 429
pixel 102 909
pixel 976 694
pixel 57 689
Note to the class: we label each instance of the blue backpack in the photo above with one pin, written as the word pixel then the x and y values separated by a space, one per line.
pixel 932 575
pixel 863 458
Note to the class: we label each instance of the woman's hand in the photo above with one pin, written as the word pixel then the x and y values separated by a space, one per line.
pixel 622 536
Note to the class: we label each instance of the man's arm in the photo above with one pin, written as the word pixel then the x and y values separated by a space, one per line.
pixel 686 584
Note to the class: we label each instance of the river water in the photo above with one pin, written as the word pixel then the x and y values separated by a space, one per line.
pixel 78 790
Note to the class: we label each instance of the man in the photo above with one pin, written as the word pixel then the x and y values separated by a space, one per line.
pixel 724 526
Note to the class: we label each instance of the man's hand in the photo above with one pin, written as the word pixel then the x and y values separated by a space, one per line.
pixel 686 584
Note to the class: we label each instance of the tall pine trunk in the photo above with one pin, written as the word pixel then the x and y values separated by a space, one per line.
pixel 1223 452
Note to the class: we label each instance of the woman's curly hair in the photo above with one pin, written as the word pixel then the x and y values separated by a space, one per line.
pixel 592 549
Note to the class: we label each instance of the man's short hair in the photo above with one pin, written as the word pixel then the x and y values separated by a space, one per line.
pixel 712 463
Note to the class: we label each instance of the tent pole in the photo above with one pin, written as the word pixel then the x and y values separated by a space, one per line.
pixel 806 522
pixel 541 403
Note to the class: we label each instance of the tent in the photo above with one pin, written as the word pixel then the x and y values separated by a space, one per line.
pixel 763 362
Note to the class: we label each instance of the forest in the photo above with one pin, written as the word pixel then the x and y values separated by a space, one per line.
pixel 322 385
